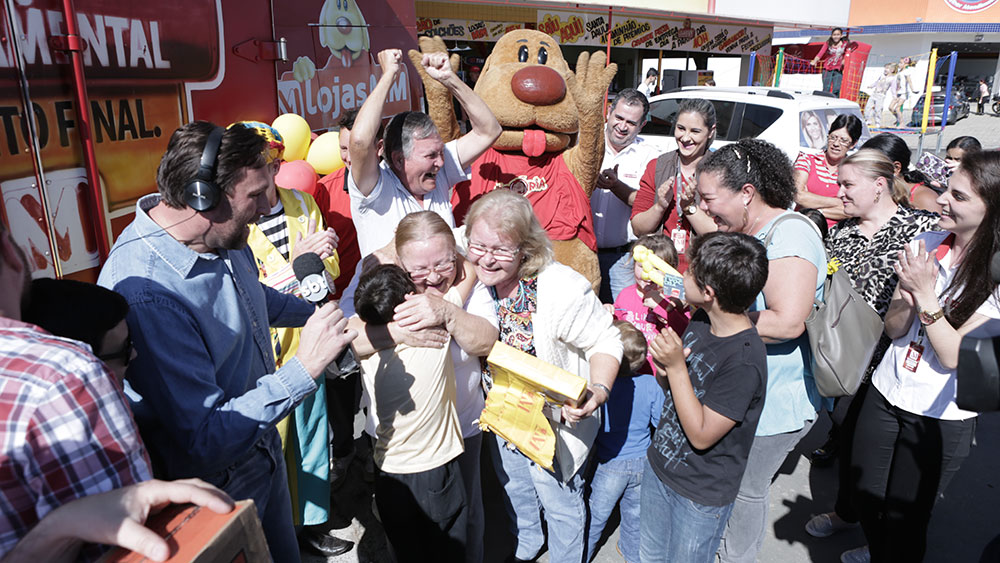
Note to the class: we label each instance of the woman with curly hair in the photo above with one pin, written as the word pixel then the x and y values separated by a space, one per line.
pixel 746 187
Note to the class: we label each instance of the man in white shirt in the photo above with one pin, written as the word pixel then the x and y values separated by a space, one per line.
pixel 419 169
pixel 625 158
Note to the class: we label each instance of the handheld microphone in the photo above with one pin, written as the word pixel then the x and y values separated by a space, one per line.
pixel 995 267
pixel 311 273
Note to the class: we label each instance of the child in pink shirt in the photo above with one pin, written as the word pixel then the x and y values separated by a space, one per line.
pixel 643 305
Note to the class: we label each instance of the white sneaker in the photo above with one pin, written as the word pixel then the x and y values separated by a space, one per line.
pixel 856 555
pixel 825 525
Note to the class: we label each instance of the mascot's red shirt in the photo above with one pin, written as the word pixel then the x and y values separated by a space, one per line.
pixel 557 198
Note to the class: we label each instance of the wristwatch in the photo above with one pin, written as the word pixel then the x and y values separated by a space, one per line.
pixel 691 209
pixel 602 387
pixel 929 318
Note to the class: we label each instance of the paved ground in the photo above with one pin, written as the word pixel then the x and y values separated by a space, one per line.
pixel 986 128
pixel 965 526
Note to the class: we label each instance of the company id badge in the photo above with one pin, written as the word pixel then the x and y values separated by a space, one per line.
pixel 913 354
pixel 680 238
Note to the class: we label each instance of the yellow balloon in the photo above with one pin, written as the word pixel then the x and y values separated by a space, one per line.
pixel 295 133
pixel 324 153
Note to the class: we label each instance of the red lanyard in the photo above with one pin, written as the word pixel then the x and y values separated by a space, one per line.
pixel 945 247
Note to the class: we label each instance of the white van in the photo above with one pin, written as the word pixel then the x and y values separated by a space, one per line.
pixel 794 121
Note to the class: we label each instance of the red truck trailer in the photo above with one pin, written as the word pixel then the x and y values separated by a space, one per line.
pixel 107 82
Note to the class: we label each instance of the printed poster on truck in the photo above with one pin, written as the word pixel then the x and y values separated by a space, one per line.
pixel 149 68
pixel 137 58
pixel 332 60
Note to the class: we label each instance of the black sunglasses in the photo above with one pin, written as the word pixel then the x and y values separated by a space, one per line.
pixel 125 354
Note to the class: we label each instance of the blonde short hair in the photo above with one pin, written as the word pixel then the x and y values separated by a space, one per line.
pixel 875 164
pixel 634 346
pixel 512 217
pixel 422 225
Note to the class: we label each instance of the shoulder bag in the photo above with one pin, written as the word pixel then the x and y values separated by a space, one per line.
pixel 843 329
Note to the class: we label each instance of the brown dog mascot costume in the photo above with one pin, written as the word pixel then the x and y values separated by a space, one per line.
pixel 553 136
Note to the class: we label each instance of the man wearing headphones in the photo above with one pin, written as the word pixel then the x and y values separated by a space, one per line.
pixel 204 388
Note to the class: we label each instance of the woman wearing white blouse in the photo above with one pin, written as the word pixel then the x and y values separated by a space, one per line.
pixel 911 436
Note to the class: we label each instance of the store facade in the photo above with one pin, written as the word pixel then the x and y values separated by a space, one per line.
pixel 900 29
pixel 693 29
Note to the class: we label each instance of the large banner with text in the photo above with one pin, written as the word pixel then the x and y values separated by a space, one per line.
pixel 591 29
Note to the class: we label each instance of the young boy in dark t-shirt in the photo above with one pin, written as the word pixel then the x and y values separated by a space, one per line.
pixel 715 380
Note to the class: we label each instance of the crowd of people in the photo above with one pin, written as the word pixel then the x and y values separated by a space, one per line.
pixel 196 370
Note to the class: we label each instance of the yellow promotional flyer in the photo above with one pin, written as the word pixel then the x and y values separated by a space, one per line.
pixel 515 406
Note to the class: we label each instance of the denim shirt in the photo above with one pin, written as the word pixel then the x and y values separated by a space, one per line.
pixel 203 386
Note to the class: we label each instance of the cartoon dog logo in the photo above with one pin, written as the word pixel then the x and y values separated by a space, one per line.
pixel 343 30
pixel 322 94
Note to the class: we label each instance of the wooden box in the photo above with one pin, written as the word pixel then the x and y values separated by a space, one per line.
pixel 198 535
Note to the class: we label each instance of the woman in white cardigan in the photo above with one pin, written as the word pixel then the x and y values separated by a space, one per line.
pixel 547 310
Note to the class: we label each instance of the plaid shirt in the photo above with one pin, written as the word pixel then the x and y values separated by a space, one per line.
pixel 65 428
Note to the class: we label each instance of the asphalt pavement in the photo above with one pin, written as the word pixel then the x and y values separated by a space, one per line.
pixel 985 127
pixel 965 526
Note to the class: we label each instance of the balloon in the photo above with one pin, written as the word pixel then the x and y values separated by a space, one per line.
pixel 296 175
pixel 295 132
pixel 324 153
pixel 313 135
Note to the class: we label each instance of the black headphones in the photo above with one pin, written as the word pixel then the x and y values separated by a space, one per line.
pixel 201 193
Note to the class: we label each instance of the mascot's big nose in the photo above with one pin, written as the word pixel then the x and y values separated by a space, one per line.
pixel 538 86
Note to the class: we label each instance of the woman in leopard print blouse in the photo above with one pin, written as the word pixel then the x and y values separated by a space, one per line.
pixel 867 244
